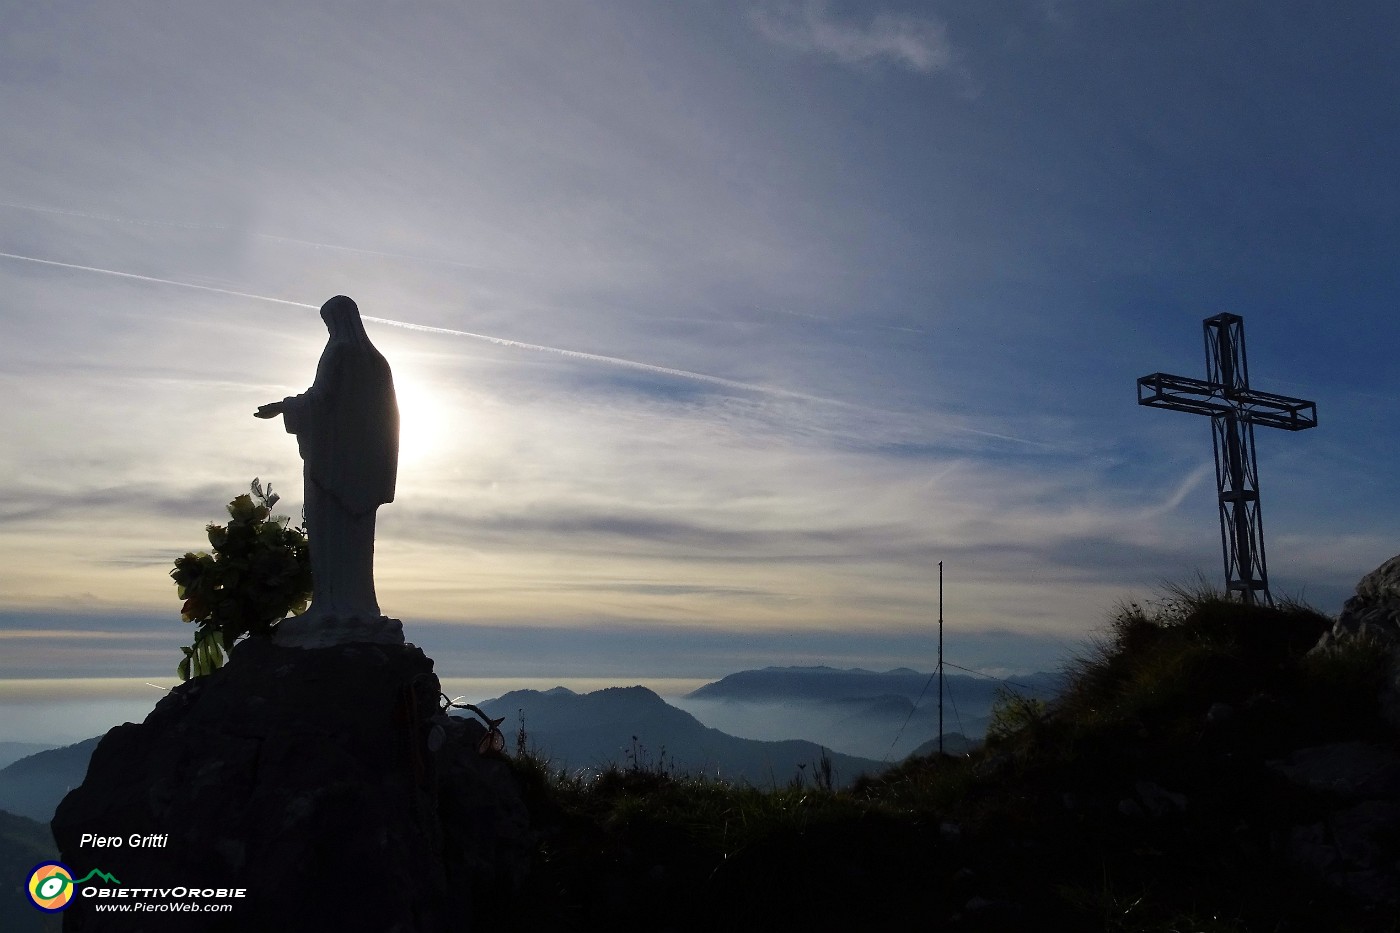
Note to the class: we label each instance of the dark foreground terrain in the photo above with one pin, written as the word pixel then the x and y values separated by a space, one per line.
pixel 1202 772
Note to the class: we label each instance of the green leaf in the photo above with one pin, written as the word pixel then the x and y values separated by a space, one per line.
pixel 184 669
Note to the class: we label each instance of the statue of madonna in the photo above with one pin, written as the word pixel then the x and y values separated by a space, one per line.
pixel 347 430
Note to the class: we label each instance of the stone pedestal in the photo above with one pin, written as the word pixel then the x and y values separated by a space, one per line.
pixel 325 631
pixel 305 777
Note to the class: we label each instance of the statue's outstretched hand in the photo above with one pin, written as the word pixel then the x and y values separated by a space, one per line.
pixel 270 410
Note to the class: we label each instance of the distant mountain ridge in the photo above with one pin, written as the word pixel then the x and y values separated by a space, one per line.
pixel 865 718
pixel 33 786
pixel 633 725
pixel 10 752
pixel 874 714
pixel 830 683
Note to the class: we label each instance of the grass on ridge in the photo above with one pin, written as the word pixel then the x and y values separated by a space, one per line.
pixel 1041 828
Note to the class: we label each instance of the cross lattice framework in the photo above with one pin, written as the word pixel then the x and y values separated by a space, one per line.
pixel 1234 410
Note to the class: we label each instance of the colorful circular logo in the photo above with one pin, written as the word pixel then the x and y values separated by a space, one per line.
pixel 51 886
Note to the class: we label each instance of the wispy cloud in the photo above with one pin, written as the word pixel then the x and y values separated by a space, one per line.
pixel 917 43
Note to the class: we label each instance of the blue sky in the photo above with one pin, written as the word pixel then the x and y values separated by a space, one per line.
pixel 847 290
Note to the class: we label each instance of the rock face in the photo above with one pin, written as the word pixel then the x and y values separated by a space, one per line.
pixel 1373 614
pixel 326 783
pixel 1353 845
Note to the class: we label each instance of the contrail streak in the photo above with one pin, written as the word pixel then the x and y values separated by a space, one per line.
pixel 521 345
pixel 615 361
pixel 315 244
pixel 151 278
pixel 498 341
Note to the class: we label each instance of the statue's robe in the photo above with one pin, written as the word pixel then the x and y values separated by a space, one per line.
pixel 347 429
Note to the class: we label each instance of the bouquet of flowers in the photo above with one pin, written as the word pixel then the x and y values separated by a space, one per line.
pixel 258 574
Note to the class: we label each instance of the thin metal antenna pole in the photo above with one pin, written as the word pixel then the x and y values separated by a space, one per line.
pixel 940 659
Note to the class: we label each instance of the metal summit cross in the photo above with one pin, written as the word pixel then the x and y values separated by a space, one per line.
pixel 1234 410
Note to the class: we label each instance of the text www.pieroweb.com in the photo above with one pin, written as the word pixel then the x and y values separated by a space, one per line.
pixel 158 900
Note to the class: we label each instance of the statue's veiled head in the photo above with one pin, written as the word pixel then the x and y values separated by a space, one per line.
pixel 342 317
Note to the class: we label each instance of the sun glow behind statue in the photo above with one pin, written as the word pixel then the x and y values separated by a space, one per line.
pixel 429 428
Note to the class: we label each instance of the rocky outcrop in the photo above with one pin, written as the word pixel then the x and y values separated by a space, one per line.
pixel 1352 845
pixel 326 783
pixel 1374 611
pixel 1373 615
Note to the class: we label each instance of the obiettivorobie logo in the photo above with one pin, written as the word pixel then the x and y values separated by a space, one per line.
pixel 51 885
